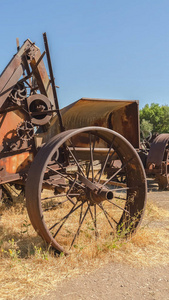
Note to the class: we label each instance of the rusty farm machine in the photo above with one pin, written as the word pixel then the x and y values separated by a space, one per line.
pixel 79 167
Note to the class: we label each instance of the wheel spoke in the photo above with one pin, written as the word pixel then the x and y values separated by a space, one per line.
pixel 59 196
pixel 91 156
pixel 119 207
pixel 115 183
pixel 75 159
pixel 105 162
pixel 110 216
pixel 106 215
pixel 57 172
pixel 65 219
pixel 77 232
pixel 117 172
pixel 122 189
pixel 81 212
pixel 70 199
pixel 121 198
pixel 73 209
pixel 55 205
pixel 95 221
pixel 71 187
pixel 67 176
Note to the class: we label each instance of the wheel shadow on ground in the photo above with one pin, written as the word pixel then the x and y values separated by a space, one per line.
pixel 26 245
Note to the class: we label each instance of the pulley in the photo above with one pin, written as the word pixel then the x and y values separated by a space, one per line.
pixel 38 106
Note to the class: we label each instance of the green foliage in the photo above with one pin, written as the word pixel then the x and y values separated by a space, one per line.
pixel 146 127
pixel 157 117
pixel 25 227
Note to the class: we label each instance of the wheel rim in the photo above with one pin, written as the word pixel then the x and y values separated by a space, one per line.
pixel 163 178
pixel 85 184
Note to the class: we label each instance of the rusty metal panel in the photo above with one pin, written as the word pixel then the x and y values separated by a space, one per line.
pixel 8 71
pixel 14 70
pixel 118 115
pixel 16 163
pixel 42 76
pixel 9 78
pixel 8 125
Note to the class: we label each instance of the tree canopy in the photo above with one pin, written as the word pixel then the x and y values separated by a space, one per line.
pixel 154 118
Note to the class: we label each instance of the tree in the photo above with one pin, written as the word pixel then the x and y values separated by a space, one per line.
pixel 146 128
pixel 157 116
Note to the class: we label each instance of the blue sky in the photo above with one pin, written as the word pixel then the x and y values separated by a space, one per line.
pixel 99 49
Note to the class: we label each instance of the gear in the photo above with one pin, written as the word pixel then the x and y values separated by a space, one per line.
pixel 18 93
pixel 25 131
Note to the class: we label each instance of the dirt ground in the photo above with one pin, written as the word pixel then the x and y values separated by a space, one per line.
pixel 120 280
pixel 116 281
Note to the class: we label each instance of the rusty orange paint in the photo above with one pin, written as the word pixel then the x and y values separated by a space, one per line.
pixel 16 163
pixel 8 124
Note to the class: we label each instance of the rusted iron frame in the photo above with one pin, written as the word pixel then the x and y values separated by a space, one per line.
pixel 13 108
pixel 24 61
pixel 14 152
pixel 49 111
pixel 10 178
pixel 30 74
pixel 20 81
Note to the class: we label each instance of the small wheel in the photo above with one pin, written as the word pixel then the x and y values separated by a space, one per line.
pixel 85 184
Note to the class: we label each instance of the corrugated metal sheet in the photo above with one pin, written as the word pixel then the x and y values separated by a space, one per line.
pixel 118 115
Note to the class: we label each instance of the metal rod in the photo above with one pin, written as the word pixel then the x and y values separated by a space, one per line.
pixel 52 81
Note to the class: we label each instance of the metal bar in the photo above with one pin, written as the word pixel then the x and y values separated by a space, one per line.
pixel 10 178
pixel 52 81
pixel 87 149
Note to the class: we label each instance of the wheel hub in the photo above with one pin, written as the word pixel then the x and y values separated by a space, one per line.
pixel 97 192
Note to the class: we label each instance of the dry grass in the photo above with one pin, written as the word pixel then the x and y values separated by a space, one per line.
pixel 28 267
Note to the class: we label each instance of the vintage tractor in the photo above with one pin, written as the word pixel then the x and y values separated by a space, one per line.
pixel 79 167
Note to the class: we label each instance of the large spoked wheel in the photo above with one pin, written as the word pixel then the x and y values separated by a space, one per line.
pixel 85 184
